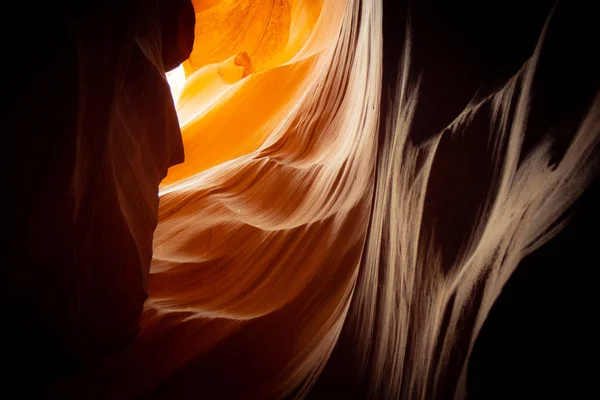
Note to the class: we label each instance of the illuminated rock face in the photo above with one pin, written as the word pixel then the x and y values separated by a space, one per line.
pixel 258 257
pixel 251 64
pixel 277 231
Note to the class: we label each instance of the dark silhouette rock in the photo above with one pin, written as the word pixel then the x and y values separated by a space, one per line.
pixel 93 130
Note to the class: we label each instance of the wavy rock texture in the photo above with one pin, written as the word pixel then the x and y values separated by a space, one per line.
pixel 299 220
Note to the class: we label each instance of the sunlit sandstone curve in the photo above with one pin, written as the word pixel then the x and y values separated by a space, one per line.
pixel 284 226
pixel 277 173
pixel 279 45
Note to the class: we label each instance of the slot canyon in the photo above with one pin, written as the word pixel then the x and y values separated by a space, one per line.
pixel 312 199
